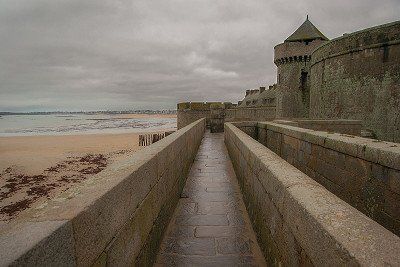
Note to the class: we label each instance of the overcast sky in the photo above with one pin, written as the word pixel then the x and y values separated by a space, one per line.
pixel 110 54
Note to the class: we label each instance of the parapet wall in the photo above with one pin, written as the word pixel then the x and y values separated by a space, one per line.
pixel 297 220
pixel 294 51
pixel 357 76
pixel 249 114
pixel 188 112
pixel 192 111
pixel 352 127
pixel 363 172
pixel 116 218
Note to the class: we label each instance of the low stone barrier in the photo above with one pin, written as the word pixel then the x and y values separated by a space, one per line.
pixel 363 172
pixel 352 127
pixel 117 217
pixel 297 220
pixel 251 114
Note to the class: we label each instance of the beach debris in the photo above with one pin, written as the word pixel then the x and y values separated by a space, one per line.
pixel 19 191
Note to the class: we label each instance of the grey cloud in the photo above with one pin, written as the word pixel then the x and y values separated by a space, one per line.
pixel 108 54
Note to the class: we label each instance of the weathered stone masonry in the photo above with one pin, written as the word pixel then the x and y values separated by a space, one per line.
pixel 357 76
pixel 363 172
pixel 297 221
pixel 115 218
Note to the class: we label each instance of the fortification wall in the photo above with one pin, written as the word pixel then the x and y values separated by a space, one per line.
pixel 246 114
pixel 352 127
pixel 186 117
pixel 116 218
pixel 192 111
pixel 363 172
pixel 293 77
pixel 188 112
pixel 298 221
pixel 295 51
pixel 357 76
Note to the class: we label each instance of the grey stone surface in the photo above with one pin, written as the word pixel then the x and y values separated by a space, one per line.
pixel 47 243
pixel 118 216
pixel 213 225
pixel 303 223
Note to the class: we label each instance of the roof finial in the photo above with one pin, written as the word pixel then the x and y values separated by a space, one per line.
pixel 307 16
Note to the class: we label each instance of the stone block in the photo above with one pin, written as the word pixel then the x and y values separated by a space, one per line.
pixel 126 245
pixel 334 158
pixel 290 253
pixel 380 173
pixel 184 105
pixel 294 143
pixel 191 246
pixel 394 180
pixel 45 243
pixel 358 166
pixel 211 220
pixel 306 147
pixel 234 245
pixel 320 220
pixel 392 206
pixel 217 231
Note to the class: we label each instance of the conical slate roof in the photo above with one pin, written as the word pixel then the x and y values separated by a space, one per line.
pixel 306 32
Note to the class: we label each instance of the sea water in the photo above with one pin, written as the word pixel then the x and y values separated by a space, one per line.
pixel 67 124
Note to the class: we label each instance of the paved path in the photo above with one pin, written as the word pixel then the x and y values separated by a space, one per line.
pixel 210 226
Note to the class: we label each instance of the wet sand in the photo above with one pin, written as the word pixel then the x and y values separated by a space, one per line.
pixel 33 168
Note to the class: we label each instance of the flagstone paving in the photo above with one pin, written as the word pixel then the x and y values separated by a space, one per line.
pixel 210 226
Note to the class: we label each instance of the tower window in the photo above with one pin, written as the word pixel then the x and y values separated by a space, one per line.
pixel 303 80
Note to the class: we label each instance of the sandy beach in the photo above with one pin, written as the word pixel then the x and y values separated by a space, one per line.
pixel 33 168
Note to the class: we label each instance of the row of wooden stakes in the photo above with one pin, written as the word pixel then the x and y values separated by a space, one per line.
pixel 150 138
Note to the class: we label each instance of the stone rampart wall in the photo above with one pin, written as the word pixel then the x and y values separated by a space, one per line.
pixel 294 51
pixel 298 221
pixel 186 117
pixel 188 112
pixel 250 114
pixel 116 218
pixel 363 172
pixel 357 76
pixel 352 127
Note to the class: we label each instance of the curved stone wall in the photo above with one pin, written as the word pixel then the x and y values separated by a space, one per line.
pixel 293 73
pixel 357 76
pixel 116 218
pixel 294 51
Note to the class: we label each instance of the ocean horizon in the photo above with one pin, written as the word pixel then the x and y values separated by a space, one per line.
pixel 83 123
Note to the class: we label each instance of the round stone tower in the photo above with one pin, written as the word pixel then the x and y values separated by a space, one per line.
pixel 292 57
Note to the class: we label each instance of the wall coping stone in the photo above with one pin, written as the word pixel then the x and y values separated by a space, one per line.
pixel 376 151
pixel 328 49
pixel 24 238
pixel 329 230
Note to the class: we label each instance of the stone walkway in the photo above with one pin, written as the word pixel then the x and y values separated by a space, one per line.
pixel 210 226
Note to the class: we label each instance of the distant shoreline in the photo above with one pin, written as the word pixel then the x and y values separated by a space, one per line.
pixel 36 168
pixel 79 123
pixel 111 112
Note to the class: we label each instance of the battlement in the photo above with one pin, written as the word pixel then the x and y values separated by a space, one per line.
pixel 371 38
pixel 295 51
pixel 203 105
